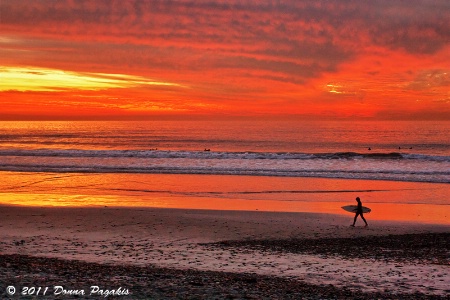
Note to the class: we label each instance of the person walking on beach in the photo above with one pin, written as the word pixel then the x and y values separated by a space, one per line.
pixel 359 212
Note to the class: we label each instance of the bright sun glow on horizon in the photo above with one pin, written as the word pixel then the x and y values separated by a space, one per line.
pixel 43 79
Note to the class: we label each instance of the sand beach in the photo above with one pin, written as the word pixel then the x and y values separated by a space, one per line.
pixel 202 254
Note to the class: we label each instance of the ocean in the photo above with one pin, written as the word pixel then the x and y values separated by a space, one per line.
pixel 296 162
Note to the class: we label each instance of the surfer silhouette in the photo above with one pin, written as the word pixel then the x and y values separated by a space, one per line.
pixel 359 212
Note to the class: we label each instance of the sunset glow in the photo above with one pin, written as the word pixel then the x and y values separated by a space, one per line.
pixel 38 79
pixel 145 59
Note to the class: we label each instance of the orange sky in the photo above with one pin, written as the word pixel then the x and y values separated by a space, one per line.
pixel 146 59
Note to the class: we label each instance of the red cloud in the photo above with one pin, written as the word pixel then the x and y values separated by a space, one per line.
pixel 229 51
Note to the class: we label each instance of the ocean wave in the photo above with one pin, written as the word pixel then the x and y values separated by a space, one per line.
pixel 380 174
pixel 219 155
pixel 352 165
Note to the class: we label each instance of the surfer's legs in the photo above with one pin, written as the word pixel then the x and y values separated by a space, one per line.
pixel 354 220
pixel 362 217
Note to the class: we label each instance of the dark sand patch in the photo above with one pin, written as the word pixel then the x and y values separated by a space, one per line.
pixel 163 283
pixel 427 248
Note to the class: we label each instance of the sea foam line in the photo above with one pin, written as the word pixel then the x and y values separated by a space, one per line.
pixel 217 155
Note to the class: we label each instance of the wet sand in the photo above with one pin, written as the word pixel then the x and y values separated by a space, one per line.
pixel 175 251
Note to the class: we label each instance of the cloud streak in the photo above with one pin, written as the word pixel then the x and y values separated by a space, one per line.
pixel 40 79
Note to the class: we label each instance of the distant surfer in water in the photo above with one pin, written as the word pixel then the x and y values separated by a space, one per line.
pixel 359 212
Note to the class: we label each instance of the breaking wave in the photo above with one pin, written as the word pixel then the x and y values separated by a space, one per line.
pixel 348 165
pixel 217 155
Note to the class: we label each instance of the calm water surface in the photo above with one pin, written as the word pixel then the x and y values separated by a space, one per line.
pixel 286 163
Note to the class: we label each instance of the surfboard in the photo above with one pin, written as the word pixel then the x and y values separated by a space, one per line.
pixel 353 208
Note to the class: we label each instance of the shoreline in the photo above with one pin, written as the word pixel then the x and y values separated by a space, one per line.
pixel 401 201
pixel 411 213
pixel 175 239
